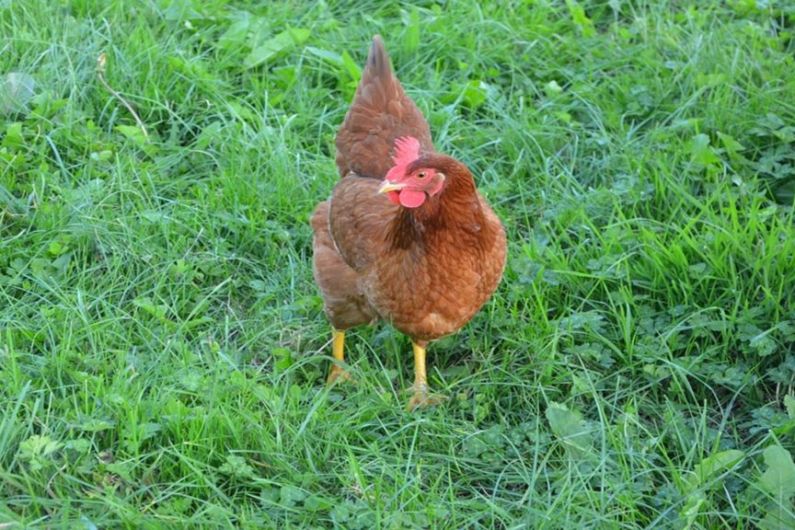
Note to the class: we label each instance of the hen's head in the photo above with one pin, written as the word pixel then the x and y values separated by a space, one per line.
pixel 412 179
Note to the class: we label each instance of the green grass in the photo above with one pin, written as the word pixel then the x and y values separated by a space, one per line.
pixel 163 347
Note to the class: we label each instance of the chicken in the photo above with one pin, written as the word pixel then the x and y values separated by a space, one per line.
pixel 405 237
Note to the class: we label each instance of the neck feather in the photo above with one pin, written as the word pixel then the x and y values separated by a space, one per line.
pixel 455 207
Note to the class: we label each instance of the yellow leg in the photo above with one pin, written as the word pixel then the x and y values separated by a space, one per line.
pixel 422 396
pixel 338 351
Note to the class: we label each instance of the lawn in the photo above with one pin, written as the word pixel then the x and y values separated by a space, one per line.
pixel 162 344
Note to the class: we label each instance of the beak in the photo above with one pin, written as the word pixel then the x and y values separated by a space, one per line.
pixel 390 186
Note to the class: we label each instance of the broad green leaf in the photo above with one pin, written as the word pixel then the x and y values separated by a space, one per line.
pixel 580 19
pixel 16 91
pixel 291 495
pixel 79 445
pixel 779 479
pixel 789 403
pixel 122 469
pixel 101 156
pixel 258 285
pixel 209 134
pixel 316 503
pixel 38 451
pixel 274 46
pixel 237 33
pixel 569 427
pixel 237 467
pixel 329 56
pixel 133 133
pixel 730 143
pixel 475 94
pixel 12 203
pixel 704 472
pixel 712 466
pixel 351 66
pixel 701 151
pixel 764 344
pixel 282 358
pixel 95 424
pixel 553 88
pixel 14 137
pixel 39 445
pixel 56 248
pixel 411 41
pixel 778 517
pixel 149 429
pixel 692 508
pixel 156 310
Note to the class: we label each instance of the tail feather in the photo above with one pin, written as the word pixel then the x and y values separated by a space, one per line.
pixel 380 113
pixel 378 60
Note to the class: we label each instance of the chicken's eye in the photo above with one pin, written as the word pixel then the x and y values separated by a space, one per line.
pixel 421 175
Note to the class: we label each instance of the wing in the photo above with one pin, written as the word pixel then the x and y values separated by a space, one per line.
pixel 343 299
pixel 380 113
pixel 358 221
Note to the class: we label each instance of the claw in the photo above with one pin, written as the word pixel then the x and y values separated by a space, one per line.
pixel 338 374
pixel 422 398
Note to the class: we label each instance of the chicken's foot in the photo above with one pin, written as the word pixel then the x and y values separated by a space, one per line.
pixel 422 396
pixel 338 351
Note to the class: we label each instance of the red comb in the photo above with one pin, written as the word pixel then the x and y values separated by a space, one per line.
pixel 407 150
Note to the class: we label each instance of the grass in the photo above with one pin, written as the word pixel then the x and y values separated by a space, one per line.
pixel 162 344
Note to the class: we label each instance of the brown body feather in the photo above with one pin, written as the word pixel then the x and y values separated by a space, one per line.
pixel 426 270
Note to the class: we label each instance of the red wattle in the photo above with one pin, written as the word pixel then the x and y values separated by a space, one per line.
pixel 411 198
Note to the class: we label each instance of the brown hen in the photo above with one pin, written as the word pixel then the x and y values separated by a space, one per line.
pixel 405 237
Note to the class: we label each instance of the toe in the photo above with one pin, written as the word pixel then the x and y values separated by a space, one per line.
pixel 338 374
pixel 424 399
